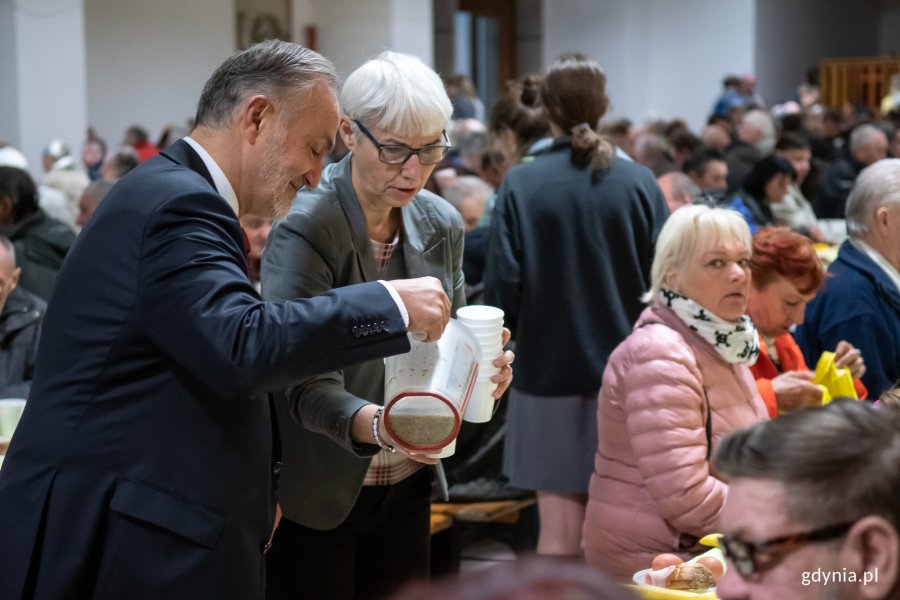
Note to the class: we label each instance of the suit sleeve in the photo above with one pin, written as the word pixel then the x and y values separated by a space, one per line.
pixel 299 263
pixel 665 418
pixel 198 306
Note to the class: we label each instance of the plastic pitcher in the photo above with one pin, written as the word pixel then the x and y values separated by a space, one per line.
pixel 427 389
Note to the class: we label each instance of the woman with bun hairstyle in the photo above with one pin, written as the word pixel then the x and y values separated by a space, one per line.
pixel 571 244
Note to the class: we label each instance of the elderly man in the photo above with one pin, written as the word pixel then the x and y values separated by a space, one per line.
pixel 144 465
pixel 91 198
pixel 812 508
pixel 868 144
pixel 678 189
pixel 861 301
pixel 21 313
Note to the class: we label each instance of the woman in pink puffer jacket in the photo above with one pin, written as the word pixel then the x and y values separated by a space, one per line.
pixel 670 392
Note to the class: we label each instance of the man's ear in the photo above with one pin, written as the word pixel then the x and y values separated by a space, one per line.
pixel 14 280
pixel 257 114
pixel 872 551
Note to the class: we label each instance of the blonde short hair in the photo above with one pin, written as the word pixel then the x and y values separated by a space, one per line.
pixel 689 230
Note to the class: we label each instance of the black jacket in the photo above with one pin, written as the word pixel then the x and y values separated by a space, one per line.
pixel 41 244
pixel 20 329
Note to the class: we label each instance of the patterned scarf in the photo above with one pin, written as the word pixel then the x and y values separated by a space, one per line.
pixel 735 341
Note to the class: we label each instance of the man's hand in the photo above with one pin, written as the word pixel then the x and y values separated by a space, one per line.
pixel 850 357
pixel 427 304
pixel 794 390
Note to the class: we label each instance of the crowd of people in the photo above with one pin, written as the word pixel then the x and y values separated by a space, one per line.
pixel 198 324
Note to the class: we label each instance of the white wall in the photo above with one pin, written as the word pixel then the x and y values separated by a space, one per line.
pixel 9 73
pixel 661 58
pixel 350 32
pixel 148 61
pixel 46 63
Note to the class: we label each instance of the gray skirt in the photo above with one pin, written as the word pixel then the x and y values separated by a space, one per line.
pixel 550 442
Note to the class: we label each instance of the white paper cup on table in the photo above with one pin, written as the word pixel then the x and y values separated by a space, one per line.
pixel 427 389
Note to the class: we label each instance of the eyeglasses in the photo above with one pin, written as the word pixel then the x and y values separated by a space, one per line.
pixel 397 154
pixel 744 555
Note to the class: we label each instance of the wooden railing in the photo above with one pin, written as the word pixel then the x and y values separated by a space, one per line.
pixel 858 80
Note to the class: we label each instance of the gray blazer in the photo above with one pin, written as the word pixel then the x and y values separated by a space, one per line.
pixel 323 244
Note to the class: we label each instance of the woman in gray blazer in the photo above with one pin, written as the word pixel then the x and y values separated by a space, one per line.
pixel 356 517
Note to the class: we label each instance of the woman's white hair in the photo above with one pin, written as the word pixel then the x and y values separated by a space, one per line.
pixel 689 230
pixel 877 185
pixel 397 93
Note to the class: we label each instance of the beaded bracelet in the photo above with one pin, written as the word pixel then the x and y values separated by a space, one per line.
pixel 377 435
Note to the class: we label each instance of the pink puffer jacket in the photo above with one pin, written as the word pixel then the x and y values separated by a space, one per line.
pixel 652 490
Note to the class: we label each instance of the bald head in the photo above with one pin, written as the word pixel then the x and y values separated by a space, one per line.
pixel 9 273
pixel 678 189
pixel 7 255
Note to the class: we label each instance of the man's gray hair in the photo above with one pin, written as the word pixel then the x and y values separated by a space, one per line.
pixel 762 122
pixel 865 135
pixel 466 186
pixel 268 68
pixel 876 186
pixel 399 94
pixel 837 463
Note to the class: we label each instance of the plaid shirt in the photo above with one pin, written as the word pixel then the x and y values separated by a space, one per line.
pixel 387 468
pixel 383 253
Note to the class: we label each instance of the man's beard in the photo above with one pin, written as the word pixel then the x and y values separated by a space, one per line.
pixel 276 180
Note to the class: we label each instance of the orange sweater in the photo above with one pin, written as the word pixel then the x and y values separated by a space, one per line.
pixel 790 359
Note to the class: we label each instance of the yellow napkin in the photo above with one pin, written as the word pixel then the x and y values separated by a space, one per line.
pixel 833 381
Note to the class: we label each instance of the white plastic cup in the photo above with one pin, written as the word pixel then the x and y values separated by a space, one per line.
pixel 481 404
pixel 480 314
pixel 486 324
pixel 446 451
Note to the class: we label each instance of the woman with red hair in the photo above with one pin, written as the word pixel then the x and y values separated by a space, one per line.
pixel 786 275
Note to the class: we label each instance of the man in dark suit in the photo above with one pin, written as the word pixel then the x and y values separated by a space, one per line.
pixel 143 464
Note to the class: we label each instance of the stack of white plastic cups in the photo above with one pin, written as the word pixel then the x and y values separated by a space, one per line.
pixel 486 324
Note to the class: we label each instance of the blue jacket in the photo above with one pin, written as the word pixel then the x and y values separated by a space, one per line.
pixel 860 304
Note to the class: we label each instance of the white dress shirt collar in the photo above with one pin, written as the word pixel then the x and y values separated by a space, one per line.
pixel 223 186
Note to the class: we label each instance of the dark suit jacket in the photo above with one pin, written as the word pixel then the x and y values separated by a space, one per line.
pixel 323 244
pixel 142 467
